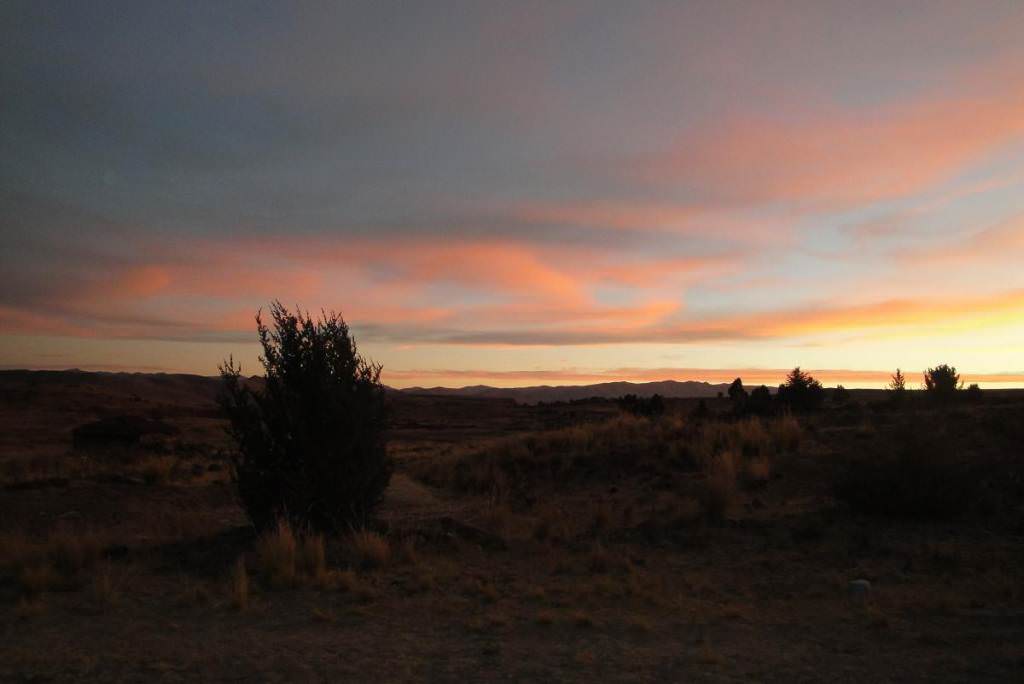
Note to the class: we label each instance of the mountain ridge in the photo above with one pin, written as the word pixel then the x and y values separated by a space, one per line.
pixel 675 389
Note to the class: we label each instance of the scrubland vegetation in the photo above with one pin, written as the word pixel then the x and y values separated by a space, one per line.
pixel 618 540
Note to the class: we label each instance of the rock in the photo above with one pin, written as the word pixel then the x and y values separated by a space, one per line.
pixel 474 535
pixel 123 431
pixel 116 551
pixel 859 589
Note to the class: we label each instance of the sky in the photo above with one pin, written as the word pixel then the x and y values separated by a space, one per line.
pixel 518 193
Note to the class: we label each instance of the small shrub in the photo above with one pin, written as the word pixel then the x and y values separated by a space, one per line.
pixel 897 385
pixel 840 395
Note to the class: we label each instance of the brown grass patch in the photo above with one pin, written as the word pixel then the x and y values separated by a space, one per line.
pixel 276 556
pixel 720 486
pixel 238 585
pixel 370 549
pixel 58 562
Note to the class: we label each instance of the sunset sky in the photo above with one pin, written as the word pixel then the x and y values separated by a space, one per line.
pixel 518 193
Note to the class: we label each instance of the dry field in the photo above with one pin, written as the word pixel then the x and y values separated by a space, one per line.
pixel 522 543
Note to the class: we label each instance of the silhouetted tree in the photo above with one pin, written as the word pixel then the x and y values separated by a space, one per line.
pixel 974 392
pixel 898 384
pixel 801 392
pixel 942 382
pixel 638 406
pixel 840 395
pixel 736 392
pixel 311 445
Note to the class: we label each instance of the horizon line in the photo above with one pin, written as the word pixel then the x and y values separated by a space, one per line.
pixel 420 379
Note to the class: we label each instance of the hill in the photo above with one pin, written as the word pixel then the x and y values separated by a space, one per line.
pixel 607 390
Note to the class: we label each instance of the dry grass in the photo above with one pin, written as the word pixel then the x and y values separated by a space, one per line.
pixel 103 590
pixel 720 486
pixel 324 615
pixel 407 553
pixel 757 471
pixel 312 557
pixel 706 655
pixel 370 549
pixel 786 432
pixel 276 556
pixel 529 468
pixel 28 608
pixel 58 562
pixel 484 590
pixel 545 617
pixel 238 585
pixel 582 619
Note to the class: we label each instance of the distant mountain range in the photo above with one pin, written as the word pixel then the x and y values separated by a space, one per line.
pixel 609 390
pixel 206 388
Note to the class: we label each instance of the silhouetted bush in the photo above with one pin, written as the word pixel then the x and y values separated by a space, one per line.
pixel 974 393
pixel 840 395
pixel 801 392
pixel 759 403
pixel 736 392
pixel 639 406
pixel 942 382
pixel 311 446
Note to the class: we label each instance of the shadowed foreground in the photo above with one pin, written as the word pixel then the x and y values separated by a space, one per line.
pixel 639 561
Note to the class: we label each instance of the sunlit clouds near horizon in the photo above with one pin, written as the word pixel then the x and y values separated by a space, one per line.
pixel 518 193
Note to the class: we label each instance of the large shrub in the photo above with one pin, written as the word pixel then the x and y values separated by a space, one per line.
pixel 942 382
pixel 311 446
pixel 801 392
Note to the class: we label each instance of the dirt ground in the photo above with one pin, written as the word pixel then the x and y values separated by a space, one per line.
pixel 763 595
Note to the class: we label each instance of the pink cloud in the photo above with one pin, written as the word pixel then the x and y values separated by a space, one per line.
pixel 844 158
